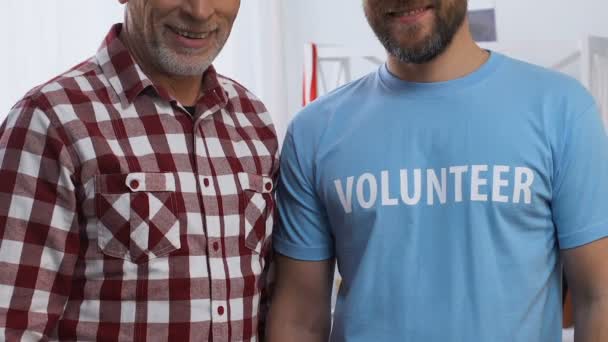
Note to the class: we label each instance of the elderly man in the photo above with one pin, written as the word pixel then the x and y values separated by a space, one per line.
pixel 136 190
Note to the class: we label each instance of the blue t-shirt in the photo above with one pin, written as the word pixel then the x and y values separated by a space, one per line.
pixel 446 204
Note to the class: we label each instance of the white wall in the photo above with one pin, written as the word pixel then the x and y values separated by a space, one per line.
pixel 41 39
pixel 343 22
pixel 598 24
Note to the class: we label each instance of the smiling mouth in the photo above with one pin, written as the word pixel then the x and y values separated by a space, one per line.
pixel 408 12
pixel 190 34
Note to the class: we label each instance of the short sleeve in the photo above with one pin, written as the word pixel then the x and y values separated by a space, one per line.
pixel 303 232
pixel 580 191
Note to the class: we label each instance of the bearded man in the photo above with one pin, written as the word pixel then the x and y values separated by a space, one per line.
pixel 450 185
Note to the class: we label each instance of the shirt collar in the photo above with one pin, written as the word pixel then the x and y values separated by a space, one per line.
pixel 128 79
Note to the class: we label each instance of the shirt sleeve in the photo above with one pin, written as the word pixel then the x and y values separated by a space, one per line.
pixel 580 191
pixel 303 232
pixel 38 224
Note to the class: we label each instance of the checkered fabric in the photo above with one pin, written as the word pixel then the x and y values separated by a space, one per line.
pixel 123 217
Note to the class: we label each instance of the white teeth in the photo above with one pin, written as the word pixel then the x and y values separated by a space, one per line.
pixel 408 13
pixel 192 35
pixel 414 12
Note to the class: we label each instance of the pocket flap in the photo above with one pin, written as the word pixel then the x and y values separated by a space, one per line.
pixel 257 183
pixel 135 182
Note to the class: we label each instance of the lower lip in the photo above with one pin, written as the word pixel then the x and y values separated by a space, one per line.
pixel 192 43
pixel 411 19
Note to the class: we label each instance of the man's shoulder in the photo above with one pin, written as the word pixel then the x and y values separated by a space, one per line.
pixel 546 83
pixel 332 107
pixel 44 102
pixel 236 90
pixel 75 85
pixel 245 102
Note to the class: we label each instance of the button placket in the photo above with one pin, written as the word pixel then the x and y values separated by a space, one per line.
pixel 217 274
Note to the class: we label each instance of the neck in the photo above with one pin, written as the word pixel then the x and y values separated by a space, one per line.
pixel 185 89
pixel 462 57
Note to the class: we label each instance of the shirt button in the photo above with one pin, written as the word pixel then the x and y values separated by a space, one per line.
pixel 220 310
pixel 268 186
pixel 206 182
pixel 216 246
pixel 134 184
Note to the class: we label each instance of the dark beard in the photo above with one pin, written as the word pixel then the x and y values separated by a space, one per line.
pixel 446 27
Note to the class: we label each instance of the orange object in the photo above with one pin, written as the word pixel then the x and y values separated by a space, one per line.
pixel 310 80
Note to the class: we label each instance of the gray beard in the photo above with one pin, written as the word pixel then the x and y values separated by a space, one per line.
pixel 171 64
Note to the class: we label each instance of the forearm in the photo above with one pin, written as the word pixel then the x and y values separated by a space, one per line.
pixel 591 319
pixel 300 313
pixel 294 334
pixel 297 315
pixel 301 305
pixel 287 325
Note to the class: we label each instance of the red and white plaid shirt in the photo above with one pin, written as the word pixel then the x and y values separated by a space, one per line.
pixel 123 217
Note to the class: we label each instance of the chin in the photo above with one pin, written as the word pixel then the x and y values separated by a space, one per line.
pixel 188 69
pixel 418 45
pixel 181 63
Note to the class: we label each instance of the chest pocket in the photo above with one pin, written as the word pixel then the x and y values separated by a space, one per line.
pixel 136 215
pixel 258 202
